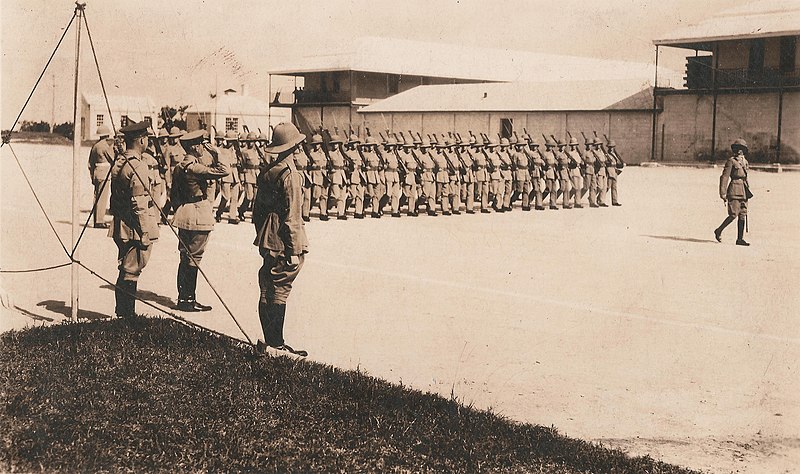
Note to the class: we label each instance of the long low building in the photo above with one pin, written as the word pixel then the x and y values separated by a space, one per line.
pixel 620 109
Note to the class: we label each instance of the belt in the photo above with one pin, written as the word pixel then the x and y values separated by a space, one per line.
pixel 337 168
pixel 194 199
pixel 250 167
pixel 314 168
pixel 374 168
pixel 392 169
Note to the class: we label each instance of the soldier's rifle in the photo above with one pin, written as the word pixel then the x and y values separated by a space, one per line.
pixel 617 156
pixel 413 153
pixel 400 164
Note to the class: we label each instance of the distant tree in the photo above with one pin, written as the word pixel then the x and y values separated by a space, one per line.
pixel 29 126
pixel 66 129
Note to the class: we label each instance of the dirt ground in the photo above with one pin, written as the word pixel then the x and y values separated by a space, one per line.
pixel 629 326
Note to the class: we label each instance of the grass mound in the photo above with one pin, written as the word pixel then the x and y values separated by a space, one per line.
pixel 154 395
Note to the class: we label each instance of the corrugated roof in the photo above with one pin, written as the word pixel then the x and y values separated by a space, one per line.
pixel 762 19
pixel 122 103
pixel 417 58
pixel 520 96
pixel 232 104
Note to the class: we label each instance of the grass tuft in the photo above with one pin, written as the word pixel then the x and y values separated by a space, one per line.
pixel 154 395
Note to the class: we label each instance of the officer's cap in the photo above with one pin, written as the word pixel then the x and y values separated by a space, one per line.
pixel 135 129
pixel 193 138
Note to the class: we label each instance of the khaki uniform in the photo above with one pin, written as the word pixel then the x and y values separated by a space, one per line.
pixel 442 181
pixel 590 177
pixel 613 170
pixel 733 185
pixel 550 175
pixel 194 218
pixel 522 177
pixel 101 157
pixel 318 176
pixel 410 186
pixel 356 174
pixel 466 164
pixel 575 167
pixel 230 184
pixel 375 184
pixel 602 176
pixel 428 180
pixel 391 175
pixel 483 179
pixel 338 181
pixel 301 167
pixel 535 165
pixel 564 178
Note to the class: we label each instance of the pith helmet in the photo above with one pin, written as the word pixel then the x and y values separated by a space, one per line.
pixel 242 137
pixel 596 141
pixel 390 142
pixel 492 143
pixel 611 144
pixel 573 141
pixel 504 142
pixel 425 143
pixel 251 137
pixel 262 137
pixel 103 131
pixel 369 141
pixel 739 143
pixel 285 136
pixel 472 140
pixel 220 136
pixel 163 133
pixel 549 143
pixel 336 139
pixel 561 142
pixel 316 139
pixel 175 132
pixel 512 140
pixel 353 139
pixel 231 136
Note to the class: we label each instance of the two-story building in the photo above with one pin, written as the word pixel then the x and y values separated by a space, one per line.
pixel 742 80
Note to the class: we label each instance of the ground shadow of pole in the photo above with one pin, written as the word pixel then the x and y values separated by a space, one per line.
pixel 681 239
pixel 61 307
pixel 147 296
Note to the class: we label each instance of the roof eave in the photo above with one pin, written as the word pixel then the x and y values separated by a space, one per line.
pixel 700 42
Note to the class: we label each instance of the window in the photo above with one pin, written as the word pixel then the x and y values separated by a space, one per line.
pixel 506 127
pixel 755 64
pixel 100 119
pixel 394 84
pixel 231 124
pixel 788 54
pixel 123 121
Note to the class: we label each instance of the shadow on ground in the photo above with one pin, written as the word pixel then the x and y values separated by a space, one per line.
pixel 148 296
pixel 61 307
pixel 681 239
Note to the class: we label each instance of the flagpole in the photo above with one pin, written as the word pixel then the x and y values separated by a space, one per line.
pixel 76 169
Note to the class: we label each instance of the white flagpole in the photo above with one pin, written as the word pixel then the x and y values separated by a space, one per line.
pixel 76 169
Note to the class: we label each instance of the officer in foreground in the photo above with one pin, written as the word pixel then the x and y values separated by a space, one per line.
pixel 734 189
pixel 280 235
pixel 194 213
pixel 100 159
pixel 134 226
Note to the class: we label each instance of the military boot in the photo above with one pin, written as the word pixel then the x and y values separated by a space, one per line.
pixel 740 239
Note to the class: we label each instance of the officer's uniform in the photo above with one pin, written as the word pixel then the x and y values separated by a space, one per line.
pixel 564 178
pixel 230 185
pixel 337 178
pixel 410 187
pixel 133 227
pixel 194 217
pixel 280 233
pixel 356 173
pixel 318 175
pixel 734 188
pixel 391 174
pixel 575 172
pixel 101 157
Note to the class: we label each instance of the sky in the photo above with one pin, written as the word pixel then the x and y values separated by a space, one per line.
pixel 181 51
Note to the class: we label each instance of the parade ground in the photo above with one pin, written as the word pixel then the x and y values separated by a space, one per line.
pixel 628 326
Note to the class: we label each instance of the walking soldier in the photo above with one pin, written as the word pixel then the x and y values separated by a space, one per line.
pixel 337 178
pixel 250 164
pixel 410 187
pixel 564 178
pixel 356 171
pixel 613 169
pixel 230 156
pixel 522 174
pixel 576 167
pixel 101 157
pixel 734 189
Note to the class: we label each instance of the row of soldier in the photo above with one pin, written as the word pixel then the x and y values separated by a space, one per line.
pixel 442 173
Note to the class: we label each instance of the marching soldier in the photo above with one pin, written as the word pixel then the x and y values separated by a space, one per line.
pixel 467 187
pixel 497 185
pixel 194 214
pixel 535 166
pixel 301 164
pixel 480 161
pixel 575 172
pixel 550 164
pixel 522 174
pixel 428 176
pixel 337 177
pixel 250 164
pixel 734 189
pixel 406 156
pixel 613 169
pixel 442 179
pixel 600 171
pixel 318 175
pixel 391 175
pixel 506 174
pixel 356 171
pixel 589 174
pixel 564 179
pixel 134 228
pixel 372 164
pixel 229 155
pixel 280 235
pixel 101 157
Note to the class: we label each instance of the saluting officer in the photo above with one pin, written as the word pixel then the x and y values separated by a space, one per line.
pixel 280 235
pixel 194 214
pixel 134 227
pixel 735 190
pixel 101 157
pixel 173 154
